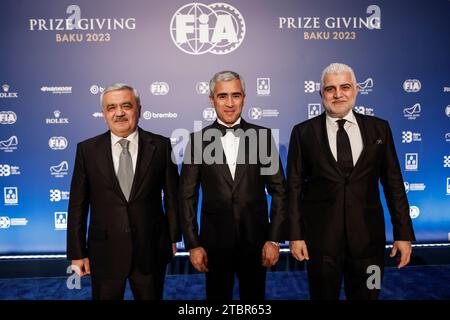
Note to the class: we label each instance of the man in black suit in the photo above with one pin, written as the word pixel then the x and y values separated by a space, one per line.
pixel 335 163
pixel 118 177
pixel 233 162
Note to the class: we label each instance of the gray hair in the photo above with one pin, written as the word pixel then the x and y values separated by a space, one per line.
pixel 225 76
pixel 121 86
pixel 335 68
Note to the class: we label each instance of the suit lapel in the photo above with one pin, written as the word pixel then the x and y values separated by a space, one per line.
pixel 364 136
pixel 145 154
pixel 242 157
pixel 221 168
pixel 105 163
pixel 320 130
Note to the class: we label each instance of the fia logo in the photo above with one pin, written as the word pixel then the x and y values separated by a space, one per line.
pixel 197 28
pixel 8 117
pixel 159 88
pixel 209 114
pixel 412 85
pixel 57 143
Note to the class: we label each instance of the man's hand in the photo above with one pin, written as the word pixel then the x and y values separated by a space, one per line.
pixel 199 259
pixel 299 250
pixel 270 254
pixel 405 249
pixel 81 266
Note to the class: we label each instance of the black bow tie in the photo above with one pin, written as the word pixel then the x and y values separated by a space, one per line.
pixel 225 129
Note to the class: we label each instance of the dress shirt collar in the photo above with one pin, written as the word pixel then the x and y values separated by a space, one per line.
pixel 133 138
pixel 350 117
pixel 238 121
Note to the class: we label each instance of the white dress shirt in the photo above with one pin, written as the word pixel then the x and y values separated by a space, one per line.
pixel 353 132
pixel 230 144
pixel 117 149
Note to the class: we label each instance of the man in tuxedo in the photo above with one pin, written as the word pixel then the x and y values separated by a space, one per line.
pixel 335 163
pixel 118 177
pixel 233 162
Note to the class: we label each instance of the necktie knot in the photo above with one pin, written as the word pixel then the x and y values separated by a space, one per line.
pixel 124 143
pixel 341 123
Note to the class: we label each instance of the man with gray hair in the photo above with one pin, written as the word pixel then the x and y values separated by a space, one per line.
pixel 237 234
pixel 335 163
pixel 117 179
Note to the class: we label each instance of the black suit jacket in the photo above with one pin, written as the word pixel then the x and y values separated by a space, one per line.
pixel 328 210
pixel 232 210
pixel 123 232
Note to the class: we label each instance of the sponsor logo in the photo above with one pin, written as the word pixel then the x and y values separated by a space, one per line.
pixel 413 112
pixel 147 115
pixel 7 170
pixel 311 86
pixel 10 144
pixel 60 170
pixel 364 110
pixel 7 222
pixel 57 119
pixel 446 161
pixel 256 113
pixel 411 161
pixel 409 137
pixel 314 109
pixel 414 186
pixel 95 89
pixel 56 90
pixel 10 196
pixel 57 195
pixel 202 87
pixel 263 86
pixel 60 220
pixel 414 212
pixel 6 93
pixel 366 86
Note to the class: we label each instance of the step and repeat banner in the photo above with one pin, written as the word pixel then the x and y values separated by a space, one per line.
pixel 57 57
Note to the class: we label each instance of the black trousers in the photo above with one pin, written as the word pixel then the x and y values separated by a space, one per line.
pixel 325 275
pixel 245 263
pixel 143 286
